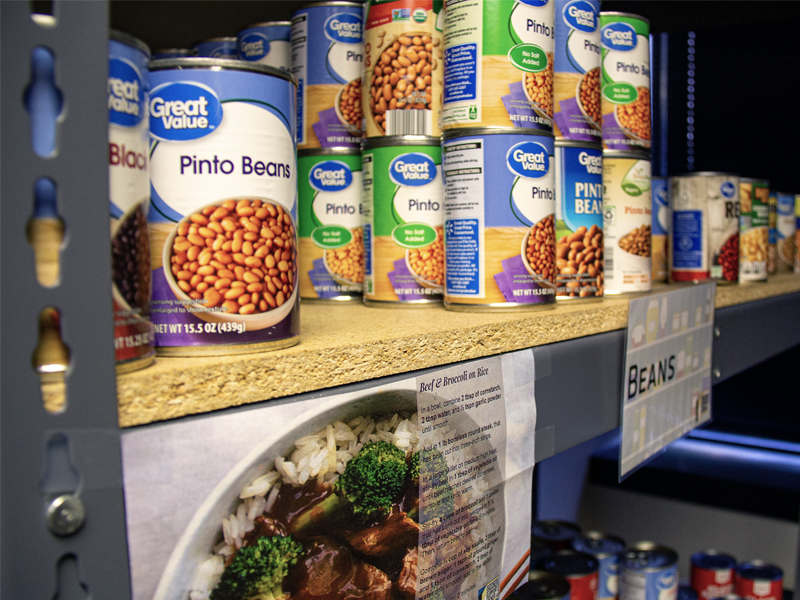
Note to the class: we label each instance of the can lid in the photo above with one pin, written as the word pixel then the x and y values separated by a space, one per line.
pixel 542 585
pixel 224 38
pixel 311 152
pixel 571 563
pixel 598 544
pixel 711 559
pixel 269 24
pixel 614 13
pixel 555 530
pixel 400 140
pixel 758 569
pixel 198 62
pixel 331 3
pixel 475 131
pixel 174 52
pixel 648 554
pixel 129 40
pixel 705 174
pixel 643 155
pixel 576 144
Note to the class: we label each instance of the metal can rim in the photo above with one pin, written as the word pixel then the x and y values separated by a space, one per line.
pixel 189 52
pixel 647 546
pixel 267 24
pixel 400 140
pixel 592 564
pixel 330 3
pixel 578 144
pixel 560 584
pixel 597 535
pixel 221 38
pixel 129 40
pixel 202 62
pixel 615 13
pixel 777 572
pixel 706 174
pixel 627 154
pixel 312 152
pixel 493 130
pixel 698 558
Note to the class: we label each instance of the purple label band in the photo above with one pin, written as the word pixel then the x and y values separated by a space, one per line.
pixel 325 285
pixel 520 111
pixel 573 123
pixel 518 286
pixel 406 286
pixel 332 133
pixel 614 137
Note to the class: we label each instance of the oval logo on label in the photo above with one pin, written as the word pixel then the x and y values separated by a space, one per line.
pixel 581 15
pixel 528 159
pixel 618 36
pixel 253 46
pixel 344 28
pixel 330 176
pixel 126 93
pixel 533 2
pixel 727 189
pixel 183 111
pixel 413 168
pixel 666 581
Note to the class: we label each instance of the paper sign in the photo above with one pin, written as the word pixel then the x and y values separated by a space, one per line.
pixel 667 377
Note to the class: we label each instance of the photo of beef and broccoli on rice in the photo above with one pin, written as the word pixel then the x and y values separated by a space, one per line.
pixel 338 518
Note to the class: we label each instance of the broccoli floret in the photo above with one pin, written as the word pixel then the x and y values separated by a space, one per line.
pixel 257 572
pixel 373 478
pixel 413 468
pixel 439 499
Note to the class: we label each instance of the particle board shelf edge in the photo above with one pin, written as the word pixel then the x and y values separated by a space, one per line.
pixel 346 344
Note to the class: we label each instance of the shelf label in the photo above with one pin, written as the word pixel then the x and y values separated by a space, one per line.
pixel 667 378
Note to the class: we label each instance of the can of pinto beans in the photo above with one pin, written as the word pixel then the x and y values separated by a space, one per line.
pixel 576 80
pixel 625 81
pixel 753 229
pixel 579 220
pixel 331 246
pixel 129 193
pixel 627 222
pixel 327 60
pixel 267 44
pixel 499 220
pixel 218 47
pixel 785 232
pixel 498 63
pixel 402 84
pixel 223 207
pixel 403 221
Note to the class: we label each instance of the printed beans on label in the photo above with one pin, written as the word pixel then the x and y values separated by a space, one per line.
pixel 635 117
pixel 729 258
pixel 637 241
pixel 428 262
pixel 540 250
pixel 350 103
pixel 130 260
pixel 539 87
pixel 579 262
pixel 590 95
pixel 348 261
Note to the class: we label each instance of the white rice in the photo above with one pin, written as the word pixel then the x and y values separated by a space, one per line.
pixel 320 456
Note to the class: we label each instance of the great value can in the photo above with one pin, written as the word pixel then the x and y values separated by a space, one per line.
pixel 579 220
pixel 267 43
pixel 498 64
pixel 753 229
pixel 556 535
pixel 331 245
pixel 499 220
pixel 576 80
pixel 218 47
pixel 129 192
pixel 223 207
pixel 785 234
pixel 648 571
pixel 661 223
pixel 402 85
pixel 758 580
pixel 579 569
pixel 606 549
pixel 625 81
pixel 627 222
pixel 163 53
pixel 403 221
pixel 328 59
pixel 543 585
pixel 712 574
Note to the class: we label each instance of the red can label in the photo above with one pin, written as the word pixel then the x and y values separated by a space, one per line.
pixel 584 587
pixel 759 589
pixel 712 583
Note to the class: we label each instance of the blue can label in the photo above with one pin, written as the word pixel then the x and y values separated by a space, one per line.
pixel 218 49
pixel 183 111
pixel 687 226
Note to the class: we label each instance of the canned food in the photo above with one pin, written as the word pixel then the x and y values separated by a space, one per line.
pixel 218 47
pixel 576 81
pixel 785 233
pixel 758 580
pixel 172 53
pixel 648 572
pixel 267 44
pixel 540 550
pixel 606 549
pixel 223 207
pixel 499 220
pixel 557 535
pixel 579 569
pixel 331 252
pixel 797 233
pixel 704 233
pixel 498 62
pixel 712 574
pixel 129 192
pixel 772 239
pixel 403 220
pixel 579 220
pixel 753 229
pixel 625 81
pixel 661 219
pixel 543 585
pixel 327 59
pixel 627 222
pixel 402 86
pixel 686 593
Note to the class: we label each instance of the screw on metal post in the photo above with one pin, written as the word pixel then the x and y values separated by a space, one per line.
pixel 65 515
pixel 717 333
pixel 717 373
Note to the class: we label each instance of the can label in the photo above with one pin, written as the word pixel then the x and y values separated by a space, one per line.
pixel 753 230
pixel 627 224
pixel 226 48
pixel 327 59
pixel 785 233
pixel 608 584
pixel 583 587
pixel 499 220
pixel 759 589
pixel 576 81
pixel 223 207
pixel 579 222
pixel 625 82
pixel 129 192
pixel 402 87
pixel 651 584
pixel 331 241
pixel 267 45
pixel 403 230
pixel 711 583
pixel 498 64
pixel 661 220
